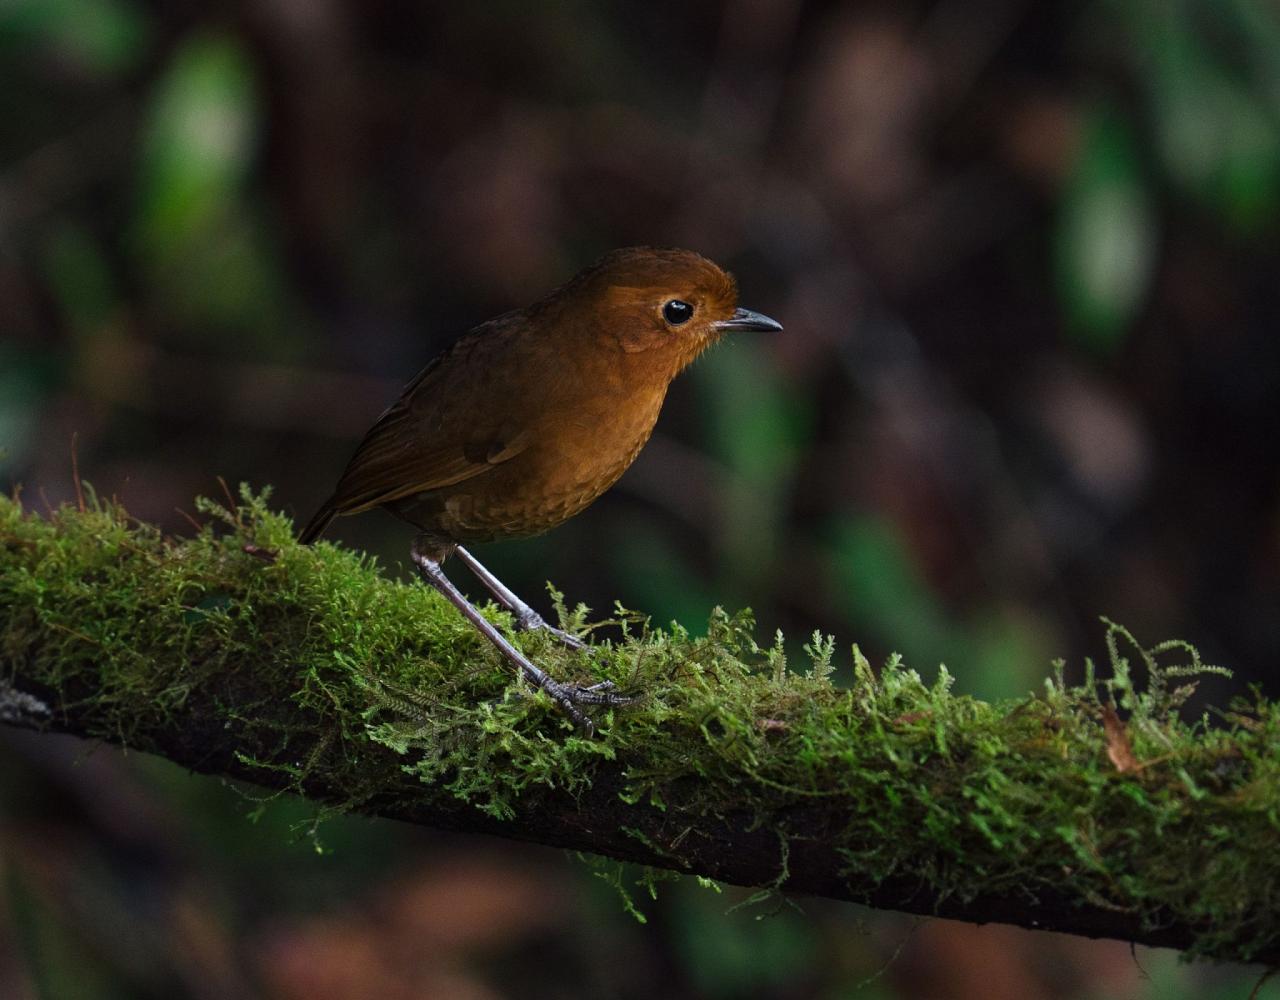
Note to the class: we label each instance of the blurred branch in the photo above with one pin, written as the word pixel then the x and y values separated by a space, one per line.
pixel 132 373
pixel 240 653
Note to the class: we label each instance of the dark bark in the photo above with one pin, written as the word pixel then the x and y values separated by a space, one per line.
pixel 738 851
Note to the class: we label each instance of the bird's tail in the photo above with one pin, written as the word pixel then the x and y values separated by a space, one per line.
pixel 319 521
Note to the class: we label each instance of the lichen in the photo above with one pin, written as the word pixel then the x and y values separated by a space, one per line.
pixel 322 666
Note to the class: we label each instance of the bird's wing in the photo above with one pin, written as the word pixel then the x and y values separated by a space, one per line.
pixel 450 424
pixel 387 468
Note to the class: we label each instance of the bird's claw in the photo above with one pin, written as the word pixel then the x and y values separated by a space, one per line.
pixel 570 696
pixel 599 694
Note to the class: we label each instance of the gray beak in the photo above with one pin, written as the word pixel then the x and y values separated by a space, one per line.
pixel 745 319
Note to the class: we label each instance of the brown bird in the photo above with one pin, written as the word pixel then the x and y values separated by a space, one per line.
pixel 529 417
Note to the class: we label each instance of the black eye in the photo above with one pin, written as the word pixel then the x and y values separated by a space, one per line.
pixel 676 312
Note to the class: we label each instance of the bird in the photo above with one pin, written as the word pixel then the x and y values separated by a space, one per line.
pixel 529 417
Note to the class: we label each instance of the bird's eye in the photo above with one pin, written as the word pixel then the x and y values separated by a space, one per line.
pixel 676 312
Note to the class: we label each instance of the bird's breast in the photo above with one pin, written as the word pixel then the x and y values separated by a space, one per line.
pixel 576 453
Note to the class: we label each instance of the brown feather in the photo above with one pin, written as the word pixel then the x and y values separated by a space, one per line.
pixel 529 417
pixel 432 436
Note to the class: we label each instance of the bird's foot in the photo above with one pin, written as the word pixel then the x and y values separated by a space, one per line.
pixel 567 696
pixel 570 696
pixel 602 693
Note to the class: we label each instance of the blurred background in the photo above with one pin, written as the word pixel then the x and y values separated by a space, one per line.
pixel 1027 253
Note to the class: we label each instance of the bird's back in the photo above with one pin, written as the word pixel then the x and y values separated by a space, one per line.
pixel 503 435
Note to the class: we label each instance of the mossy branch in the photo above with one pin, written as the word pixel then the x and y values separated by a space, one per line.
pixel 238 652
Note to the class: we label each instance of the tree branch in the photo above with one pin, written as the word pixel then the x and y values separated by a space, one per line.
pixel 238 652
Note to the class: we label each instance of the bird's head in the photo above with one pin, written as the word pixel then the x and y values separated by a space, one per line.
pixel 661 308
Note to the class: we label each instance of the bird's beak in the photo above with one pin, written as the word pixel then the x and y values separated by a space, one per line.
pixel 745 319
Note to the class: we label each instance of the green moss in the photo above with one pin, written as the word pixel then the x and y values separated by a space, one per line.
pixel 336 681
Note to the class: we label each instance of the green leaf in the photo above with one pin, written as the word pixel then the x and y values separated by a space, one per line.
pixel 20 396
pixel 881 588
pixel 98 37
pixel 757 427
pixel 200 139
pixel 1105 237
pixel 80 276
pixel 1214 95
pixel 200 235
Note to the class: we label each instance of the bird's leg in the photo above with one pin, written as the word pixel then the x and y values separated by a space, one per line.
pixel 567 696
pixel 526 618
